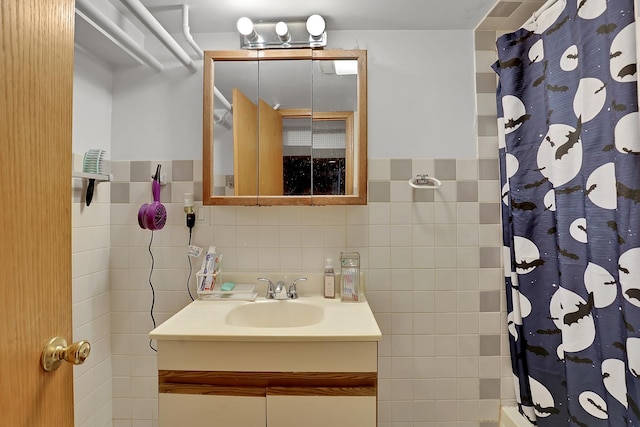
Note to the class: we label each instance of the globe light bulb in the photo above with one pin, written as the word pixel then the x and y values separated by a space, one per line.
pixel 315 25
pixel 245 26
pixel 282 30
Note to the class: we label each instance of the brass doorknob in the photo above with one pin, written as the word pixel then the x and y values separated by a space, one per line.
pixel 57 350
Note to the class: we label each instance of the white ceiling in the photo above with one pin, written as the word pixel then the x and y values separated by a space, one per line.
pixel 213 16
pixel 220 16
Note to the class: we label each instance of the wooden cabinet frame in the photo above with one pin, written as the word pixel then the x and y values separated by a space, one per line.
pixel 356 175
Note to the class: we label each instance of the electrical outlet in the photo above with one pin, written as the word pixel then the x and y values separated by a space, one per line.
pixel 228 181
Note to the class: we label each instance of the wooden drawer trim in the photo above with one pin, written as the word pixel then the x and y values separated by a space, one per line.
pixel 211 390
pixel 268 379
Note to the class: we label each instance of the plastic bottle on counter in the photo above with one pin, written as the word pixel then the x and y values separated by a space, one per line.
pixel 350 276
pixel 329 279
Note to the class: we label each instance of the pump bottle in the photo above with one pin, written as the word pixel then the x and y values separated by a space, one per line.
pixel 329 279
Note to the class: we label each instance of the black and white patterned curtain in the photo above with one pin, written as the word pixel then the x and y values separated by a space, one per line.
pixel 570 171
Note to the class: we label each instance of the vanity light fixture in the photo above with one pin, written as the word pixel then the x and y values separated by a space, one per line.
pixel 282 30
pixel 315 26
pixel 246 29
pixel 261 34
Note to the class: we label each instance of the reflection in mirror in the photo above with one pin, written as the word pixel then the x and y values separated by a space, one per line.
pixel 235 128
pixel 295 132
pixel 335 104
pixel 285 85
pixel 328 157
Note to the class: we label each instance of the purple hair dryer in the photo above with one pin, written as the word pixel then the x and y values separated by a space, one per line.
pixel 153 216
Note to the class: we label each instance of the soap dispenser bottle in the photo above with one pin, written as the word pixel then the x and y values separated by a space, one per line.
pixel 329 279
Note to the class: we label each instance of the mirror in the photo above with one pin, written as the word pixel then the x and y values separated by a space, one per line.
pixel 285 127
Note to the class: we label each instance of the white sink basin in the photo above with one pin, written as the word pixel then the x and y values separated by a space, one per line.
pixel 309 318
pixel 275 314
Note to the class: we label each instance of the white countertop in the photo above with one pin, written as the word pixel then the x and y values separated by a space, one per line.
pixel 204 320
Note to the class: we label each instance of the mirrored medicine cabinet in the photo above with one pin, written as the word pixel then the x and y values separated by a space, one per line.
pixel 285 127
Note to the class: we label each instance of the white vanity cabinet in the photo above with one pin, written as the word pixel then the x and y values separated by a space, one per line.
pixel 274 384
pixel 274 410
pixel 320 373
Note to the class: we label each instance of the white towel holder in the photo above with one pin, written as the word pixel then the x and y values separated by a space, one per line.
pixel 423 181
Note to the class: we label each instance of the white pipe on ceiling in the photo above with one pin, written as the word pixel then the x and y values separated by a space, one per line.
pixel 187 31
pixel 222 99
pixel 143 14
pixel 87 10
pixel 187 35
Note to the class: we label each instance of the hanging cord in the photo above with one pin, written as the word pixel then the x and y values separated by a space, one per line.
pixel 153 292
pixel 190 266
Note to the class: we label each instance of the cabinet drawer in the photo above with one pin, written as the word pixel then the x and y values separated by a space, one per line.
pixel 320 356
pixel 321 411
pixel 196 410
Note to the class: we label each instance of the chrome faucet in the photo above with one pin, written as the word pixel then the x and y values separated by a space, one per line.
pixel 278 291
pixel 293 290
pixel 271 288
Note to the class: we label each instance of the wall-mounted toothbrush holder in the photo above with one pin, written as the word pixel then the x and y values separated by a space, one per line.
pixel 422 181
pixel 92 178
pixel 92 167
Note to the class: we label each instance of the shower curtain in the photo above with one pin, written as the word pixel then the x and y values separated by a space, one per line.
pixel 570 173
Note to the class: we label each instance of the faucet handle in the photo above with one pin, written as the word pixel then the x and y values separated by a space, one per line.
pixel 293 290
pixel 271 288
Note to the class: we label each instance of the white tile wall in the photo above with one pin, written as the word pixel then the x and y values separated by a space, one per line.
pixel 423 280
pixel 91 302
